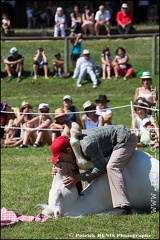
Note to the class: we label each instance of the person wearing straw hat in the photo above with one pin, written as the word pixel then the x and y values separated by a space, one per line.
pixel 90 119
pixel 39 130
pixel 103 109
pixel 146 92
pixel 84 68
pixel 60 121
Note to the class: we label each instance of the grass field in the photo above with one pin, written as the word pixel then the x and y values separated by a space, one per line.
pixel 26 173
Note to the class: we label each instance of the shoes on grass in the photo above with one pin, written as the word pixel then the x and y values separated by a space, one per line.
pixel 23 146
pixel 9 78
pixel 120 211
pixel 37 145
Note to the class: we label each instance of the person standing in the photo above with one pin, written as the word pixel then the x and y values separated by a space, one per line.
pixel 76 48
pixel 84 67
pixel 14 64
pixel 124 20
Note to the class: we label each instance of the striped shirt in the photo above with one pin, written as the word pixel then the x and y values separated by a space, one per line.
pixel 98 143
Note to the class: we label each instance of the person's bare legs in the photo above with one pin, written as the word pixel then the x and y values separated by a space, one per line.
pixel 45 67
pixel 97 29
pixel 35 70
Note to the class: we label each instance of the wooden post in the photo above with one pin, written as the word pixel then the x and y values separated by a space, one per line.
pixel 66 55
pixel 154 53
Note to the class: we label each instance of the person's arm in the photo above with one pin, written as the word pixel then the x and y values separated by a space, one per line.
pixel 79 35
pixel 125 60
pixel 83 121
pixel 101 121
pixel 44 56
pixel 114 62
pixel 136 95
pixel 108 117
pixel 78 120
pixel 9 62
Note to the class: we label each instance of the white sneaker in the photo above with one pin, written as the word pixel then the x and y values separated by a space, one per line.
pixel 95 86
pixel 79 85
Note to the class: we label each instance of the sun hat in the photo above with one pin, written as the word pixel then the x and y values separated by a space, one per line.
pixel 59 9
pixel 145 121
pixel 3 106
pixel 43 105
pixel 86 51
pixel 102 98
pixel 24 105
pixel 67 97
pixel 87 104
pixel 124 5
pixel 146 75
pixel 57 146
pixel 59 112
pixel 141 104
pixel 13 50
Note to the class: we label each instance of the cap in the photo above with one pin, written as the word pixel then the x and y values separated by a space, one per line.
pixel 24 105
pixel 87 104
pixel 67 97
pixel 86 51
pixel 145 121
pixel 43 105
pixel 13 50
pixel 124 5
pixel 102 98
pixel 146 75
pixel 57 146
pixel 59 112
pixel 59 9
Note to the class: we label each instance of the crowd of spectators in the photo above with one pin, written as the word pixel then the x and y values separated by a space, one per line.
pixel 22 126
pixel 87 19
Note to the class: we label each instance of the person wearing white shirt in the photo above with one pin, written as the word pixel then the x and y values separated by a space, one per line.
pixel 84 66
pixel 103 110
pixel 60 23
pixel 102 18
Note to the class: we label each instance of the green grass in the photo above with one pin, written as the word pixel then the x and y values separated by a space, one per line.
pixel 26 173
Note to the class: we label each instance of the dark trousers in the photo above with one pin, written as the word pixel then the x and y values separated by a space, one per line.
pixel 125 30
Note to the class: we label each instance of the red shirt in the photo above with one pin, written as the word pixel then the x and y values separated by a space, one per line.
pixel 123 18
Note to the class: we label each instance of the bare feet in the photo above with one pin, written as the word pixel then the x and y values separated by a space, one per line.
pixel 108 77
pixel 125 78
pixel 46 77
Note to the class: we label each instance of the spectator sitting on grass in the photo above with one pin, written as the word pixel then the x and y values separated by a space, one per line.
pixel 14 136
pixel 40 65
pixel 84 68
pixel 60 121
pixel 103 109
pixel 58 65
pixel 148 135
pixel 14 64
pixel 121 64
pixel 90 119
pixel 71 111
pixel 106 59
pixel 39 136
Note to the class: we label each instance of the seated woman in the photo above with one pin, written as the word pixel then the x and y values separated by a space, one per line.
pixel 141 114
pixel 71 111
pixel 106 59
pixel 87 21
pixel 39 134
pixel 76 20
pixel 90 119
pixel 60 121
pixel 60 23
pixel 146 92
pixel 121 64
pixel 14 130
